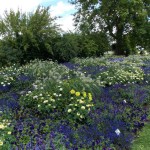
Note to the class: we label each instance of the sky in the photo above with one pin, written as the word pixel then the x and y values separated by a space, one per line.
pixel 60 8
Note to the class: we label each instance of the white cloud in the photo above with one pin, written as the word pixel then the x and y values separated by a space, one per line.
pixel 24 5
pixel 64 9
pixel 66 23
pixel 61 8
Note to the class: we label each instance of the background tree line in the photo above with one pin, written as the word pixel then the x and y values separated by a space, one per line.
pixel 27 36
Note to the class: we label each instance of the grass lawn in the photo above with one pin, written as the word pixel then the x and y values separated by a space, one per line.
pixel 142 142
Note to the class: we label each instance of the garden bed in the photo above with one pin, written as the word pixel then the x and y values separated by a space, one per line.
pixel 93 103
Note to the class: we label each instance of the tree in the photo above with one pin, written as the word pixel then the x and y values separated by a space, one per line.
pixel 26 36
pixel 120 19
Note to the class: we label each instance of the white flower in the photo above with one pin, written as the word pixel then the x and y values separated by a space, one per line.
pixel 83 107
pixel 8 132
pixel 35 97
pixel 29 92
pixel 41 95
pixel 124 101
pixel 61 89
pixel 35 86
pixel 69 110
pixel 39 105
pixel 46 101
pixel 2 126
pixel 117 131
pixel 81 116
pixel 1 143
pixel 78 114
pixel 60 95
pixel 52 100
pixel 54 94
pixel 81 102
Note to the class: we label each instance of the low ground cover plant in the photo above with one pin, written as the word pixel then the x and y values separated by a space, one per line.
pixel 99 103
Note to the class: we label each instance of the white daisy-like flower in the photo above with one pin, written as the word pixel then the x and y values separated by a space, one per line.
pixel 46 101
pixel 69 110
pixel 124 101
pixel 61 89
pixel 78 114
pixel 117 131
pixel 35 97
pixel 83 107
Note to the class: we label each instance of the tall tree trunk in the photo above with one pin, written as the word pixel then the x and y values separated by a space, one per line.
pixel 120 43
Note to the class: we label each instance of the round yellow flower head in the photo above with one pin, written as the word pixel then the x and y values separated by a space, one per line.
pixel 72 91
pixel 77 93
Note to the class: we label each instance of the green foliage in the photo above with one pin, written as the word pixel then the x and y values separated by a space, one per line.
pixel 128 18
pixel 72 45
pixel 101 40
pixel 26 36
pixel 87 46
pixel 65 47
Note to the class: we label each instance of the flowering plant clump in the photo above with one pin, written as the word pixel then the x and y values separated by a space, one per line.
pixel 7 76
pixel 90 61
pixel 117 75
pixel 71 103
pixel 5 133
pixel 59 108
pixel 80 106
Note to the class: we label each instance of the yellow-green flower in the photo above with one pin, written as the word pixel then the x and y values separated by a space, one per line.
pixel 2 126
pixel 90 96
pixel 72 91
pixel 8 132
pixel 84 94
pixel 77 93
pixel 83 107
pixel 78 114
pixel 81 102
pixel 1 143
pixel 69 110
pixel 81 116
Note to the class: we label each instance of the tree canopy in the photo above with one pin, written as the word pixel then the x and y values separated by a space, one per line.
pixel 123 20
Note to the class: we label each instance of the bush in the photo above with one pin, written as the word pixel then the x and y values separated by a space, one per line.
pixel 29 36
